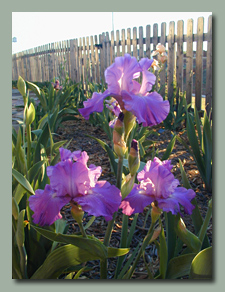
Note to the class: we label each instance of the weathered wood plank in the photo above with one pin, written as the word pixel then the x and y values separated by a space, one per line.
pixel 107 50
pixel 129 41
pixel 170 60
pixel 140 40
pixel 102 59
pixel 162 74
pixel 112 48
pixel 88 59
pixel 80 60
pixel 148 43
pixel 97 59
pixel 123 42
pixel 14 67
pixel 179 62
pixel 117 43
pixel 209 68
pixel 155 43
pixel 198 71
pixel 189 62
pixel 93 73
pixel 134 42
pixel 84 64
pixel 73 59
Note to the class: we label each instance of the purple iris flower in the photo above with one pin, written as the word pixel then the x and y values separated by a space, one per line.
pixel 71 180
pixel 149 108
pixel 157 184
pixel 114 107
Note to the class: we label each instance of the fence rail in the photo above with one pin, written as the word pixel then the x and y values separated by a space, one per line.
pixel 85 59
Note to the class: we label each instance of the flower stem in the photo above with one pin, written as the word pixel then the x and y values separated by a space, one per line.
pixel 206 222
pixel 82 230
pixel 28 147
pixel 118 184
pixel 103 264
pixel 144 245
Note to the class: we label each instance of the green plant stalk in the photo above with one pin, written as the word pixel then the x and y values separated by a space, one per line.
pixel 118 185
pixel 82 229
pixel 123 243
pixel 103 265
pixel 103 269
pixel 28 128
pixel 23 261
pixel 144 245
pixel 206 222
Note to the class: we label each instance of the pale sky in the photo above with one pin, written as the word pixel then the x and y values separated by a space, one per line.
pixel 33 29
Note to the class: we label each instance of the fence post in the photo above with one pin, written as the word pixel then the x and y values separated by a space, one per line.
pixel 189 62
pixel 209 67
pixel 170 60
pixel 162 74
pixel 148 43
pixel 155 43
pixel 97 60
pixel 179 62
pixel 141 51
pixel 198 71
pixel 134 42
pixel 128 41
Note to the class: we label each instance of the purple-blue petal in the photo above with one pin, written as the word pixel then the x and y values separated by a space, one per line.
pixel 67 154
pixel 46 206
pixel 136 201
pixel 102 200
pixel 95 104
pixel 150 109
pixel 69 178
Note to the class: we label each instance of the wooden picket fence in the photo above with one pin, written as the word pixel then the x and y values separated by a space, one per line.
pixel 85 59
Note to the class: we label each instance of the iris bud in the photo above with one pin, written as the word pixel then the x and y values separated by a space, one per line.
pixel 129 122
pixel 118 136
pixel 134 158
pixel 77 213
pixel 155 212
pixel 127 185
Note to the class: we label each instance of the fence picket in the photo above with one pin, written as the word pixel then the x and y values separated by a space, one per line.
pixel 209 67
pixel 148 43
pixel 141 49
pixel 87 62
pixel 134 42
pixel 129 41
pixel 179 61
pixel 123 42
pixel 73 59
pixel 93 74
pixel 117 43
pixel 162 74
pixel 171 58
pixel 198 71
pixel 155 43
pixel 189 62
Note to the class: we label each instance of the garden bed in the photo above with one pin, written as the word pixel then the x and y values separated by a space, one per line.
pixel 77 131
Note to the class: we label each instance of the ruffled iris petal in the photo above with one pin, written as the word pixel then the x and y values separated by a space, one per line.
pixel 102 200
pixel 150 110
pixel 67 154
pixel 148 78
pixel 69 178
pixel 46 206
pixel 95 104
pixel 136 201
pixel 120 74
pixel 157 183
